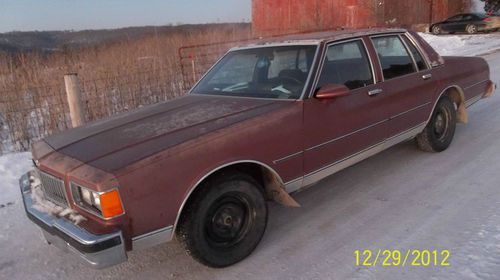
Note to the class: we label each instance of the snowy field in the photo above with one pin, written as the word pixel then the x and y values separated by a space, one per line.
pixel 400 199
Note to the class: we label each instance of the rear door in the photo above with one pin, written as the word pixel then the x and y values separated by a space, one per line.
pixel 336 130
pixel 408 84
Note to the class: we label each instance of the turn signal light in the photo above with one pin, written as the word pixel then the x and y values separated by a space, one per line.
pixel 111 204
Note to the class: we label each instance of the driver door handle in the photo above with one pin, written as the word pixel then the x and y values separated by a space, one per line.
pixel 375 92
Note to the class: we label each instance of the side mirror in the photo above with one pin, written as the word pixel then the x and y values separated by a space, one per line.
pixel 332 91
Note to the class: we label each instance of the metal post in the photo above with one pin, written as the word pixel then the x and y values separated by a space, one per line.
pixel 74 96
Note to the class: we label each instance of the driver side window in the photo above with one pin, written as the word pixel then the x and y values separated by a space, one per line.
pixel 346 64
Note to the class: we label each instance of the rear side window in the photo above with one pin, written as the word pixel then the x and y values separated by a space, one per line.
pixel 416 54
pixel 346 64
pixel 394 58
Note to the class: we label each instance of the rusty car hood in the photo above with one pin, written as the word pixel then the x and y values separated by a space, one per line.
pixel 121 140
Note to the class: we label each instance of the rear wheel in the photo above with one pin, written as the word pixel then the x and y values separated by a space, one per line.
pixel 438 134
pixel 471 29
pixel 224 221
pixel 436 30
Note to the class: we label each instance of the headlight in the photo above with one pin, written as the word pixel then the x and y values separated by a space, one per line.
pixel 90 198
pixel 103 204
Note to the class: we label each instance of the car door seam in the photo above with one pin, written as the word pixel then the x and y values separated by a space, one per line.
pixel 346 135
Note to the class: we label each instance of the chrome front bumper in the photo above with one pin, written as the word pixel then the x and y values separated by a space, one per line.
pixel 99 251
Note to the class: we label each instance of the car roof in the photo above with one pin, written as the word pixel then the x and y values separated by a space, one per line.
pixel 471 14
pixel 314 38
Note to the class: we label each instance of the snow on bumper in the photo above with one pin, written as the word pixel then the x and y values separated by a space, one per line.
pixel 99 251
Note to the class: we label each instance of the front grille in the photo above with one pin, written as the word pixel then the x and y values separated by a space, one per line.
pixel 53 189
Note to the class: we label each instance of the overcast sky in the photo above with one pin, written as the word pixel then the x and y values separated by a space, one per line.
pixel 26 15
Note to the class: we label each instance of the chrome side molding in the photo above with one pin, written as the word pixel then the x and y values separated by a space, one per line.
pixel 153 238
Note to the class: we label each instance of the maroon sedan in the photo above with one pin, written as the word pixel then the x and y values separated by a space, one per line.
pixel 265 121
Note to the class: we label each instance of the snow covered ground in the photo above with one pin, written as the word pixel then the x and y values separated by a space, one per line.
pixel 11 167
pixel 400 199
pixel 464 45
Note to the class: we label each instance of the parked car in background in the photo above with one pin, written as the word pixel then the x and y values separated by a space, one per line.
pixel 470 23
pixel 267 120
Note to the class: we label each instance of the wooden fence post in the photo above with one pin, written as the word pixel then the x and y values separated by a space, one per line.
pixel 74 96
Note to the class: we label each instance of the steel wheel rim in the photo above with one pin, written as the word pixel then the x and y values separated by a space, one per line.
pixel 442 123
pixel 229 220
pixel 436 30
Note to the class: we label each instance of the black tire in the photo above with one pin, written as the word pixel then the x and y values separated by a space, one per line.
pixel 436 30
pixel 224 221
pixel 471 29
pixel 438 134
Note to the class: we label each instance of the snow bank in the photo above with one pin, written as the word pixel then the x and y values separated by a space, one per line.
pixel 463 45
pixel 12 166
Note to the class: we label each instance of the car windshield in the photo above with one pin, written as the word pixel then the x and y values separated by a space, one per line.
pixel 265 72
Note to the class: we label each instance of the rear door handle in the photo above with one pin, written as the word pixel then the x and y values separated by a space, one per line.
pixel 427 76
pixel 374 92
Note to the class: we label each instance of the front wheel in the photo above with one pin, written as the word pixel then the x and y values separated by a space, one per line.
pixel 471 29
pixel 439 132
pixel 224 221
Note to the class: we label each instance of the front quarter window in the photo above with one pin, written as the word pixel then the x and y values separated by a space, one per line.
pixel 264 72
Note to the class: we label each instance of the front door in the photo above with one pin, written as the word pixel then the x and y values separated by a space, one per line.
pixel 452 24
pixel 340 130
